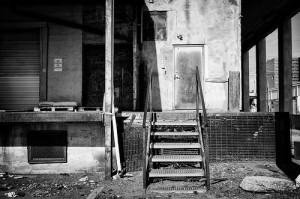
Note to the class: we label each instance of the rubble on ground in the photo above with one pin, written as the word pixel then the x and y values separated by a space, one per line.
pixel 266 184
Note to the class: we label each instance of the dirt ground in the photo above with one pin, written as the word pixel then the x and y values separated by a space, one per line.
pixel 77 186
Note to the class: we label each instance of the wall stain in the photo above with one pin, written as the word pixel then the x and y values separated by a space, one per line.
pixel 233 2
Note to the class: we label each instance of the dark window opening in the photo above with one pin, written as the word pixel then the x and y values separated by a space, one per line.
pixel 47 146
pixel 155 26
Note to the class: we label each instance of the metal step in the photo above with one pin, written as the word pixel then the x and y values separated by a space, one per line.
pixel 184 133
pixel 167 145
pixel 161 173
pixel 177 158
pixel 176 189
pixel 174 123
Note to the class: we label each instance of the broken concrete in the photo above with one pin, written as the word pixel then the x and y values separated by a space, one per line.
pixel 266 184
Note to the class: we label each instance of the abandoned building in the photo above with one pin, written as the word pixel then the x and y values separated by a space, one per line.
pixel 65 66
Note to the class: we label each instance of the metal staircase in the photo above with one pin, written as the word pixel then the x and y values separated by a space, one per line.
pixel 175 159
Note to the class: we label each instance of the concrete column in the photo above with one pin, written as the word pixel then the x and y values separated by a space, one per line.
pixel 109 89
pixel 245 82
pixel 285 67
pixel 261 76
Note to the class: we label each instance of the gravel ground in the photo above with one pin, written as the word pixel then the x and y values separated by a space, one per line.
pixel 77 186
pixel 232 173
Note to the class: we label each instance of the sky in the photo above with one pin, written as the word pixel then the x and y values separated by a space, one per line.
pixel 272 48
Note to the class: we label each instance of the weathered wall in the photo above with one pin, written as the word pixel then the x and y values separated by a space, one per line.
pixel 65 43
pixel 85 145
pixel 214 24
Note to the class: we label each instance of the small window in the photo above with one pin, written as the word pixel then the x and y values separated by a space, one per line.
pixel 47 146
pixel 155 26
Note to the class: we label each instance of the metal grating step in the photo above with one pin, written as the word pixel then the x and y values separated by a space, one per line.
pixel 161 173
pixel 184 133
pixel 174 123
pixel 178 189
pixel 163 145
pixel 177 158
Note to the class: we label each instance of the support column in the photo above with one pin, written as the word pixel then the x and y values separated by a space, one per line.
pixel 245 82
pixel 285 67
pixel 135 57
pixel 261 76
pixel 109 90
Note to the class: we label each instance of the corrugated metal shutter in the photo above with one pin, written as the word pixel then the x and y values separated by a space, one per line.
pixel 19 69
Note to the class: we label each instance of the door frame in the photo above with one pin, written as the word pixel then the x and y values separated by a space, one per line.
pixel 203 63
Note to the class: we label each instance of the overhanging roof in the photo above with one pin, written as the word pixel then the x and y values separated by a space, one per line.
pixel 261 17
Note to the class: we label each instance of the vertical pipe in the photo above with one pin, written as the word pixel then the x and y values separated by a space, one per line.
pixel 285 66
pixel 261 76
pixel 245 82
pixel 109 90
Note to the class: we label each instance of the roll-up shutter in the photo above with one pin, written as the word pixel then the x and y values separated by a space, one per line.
pixel 19 69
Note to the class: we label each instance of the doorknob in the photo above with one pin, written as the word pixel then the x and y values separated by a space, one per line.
pixel 176 76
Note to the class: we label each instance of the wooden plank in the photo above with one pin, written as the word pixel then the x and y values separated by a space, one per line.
pixel 109 90
pixel 261 76
pixel 95 193
pixel 34 117
pixel 285 67
pixel 245 82
pixel 234 91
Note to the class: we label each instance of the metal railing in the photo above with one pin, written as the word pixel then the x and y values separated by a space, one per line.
pixel 202 128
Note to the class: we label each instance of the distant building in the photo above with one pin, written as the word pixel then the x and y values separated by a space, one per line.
pixel 272 72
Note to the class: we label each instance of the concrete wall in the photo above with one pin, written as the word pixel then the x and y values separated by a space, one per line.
pixel 65 43
pixel 215 25
pixel 85 150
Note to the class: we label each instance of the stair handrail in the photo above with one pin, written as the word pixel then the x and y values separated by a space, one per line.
pixel 202 128
pixel 146 135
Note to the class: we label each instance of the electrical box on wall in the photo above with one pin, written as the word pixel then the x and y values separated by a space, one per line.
pixel 57 64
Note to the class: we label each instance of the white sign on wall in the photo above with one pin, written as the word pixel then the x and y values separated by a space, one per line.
pixel 57 66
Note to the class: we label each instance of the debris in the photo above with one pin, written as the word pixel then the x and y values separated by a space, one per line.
pixel 95 193
pixel 265 184
pixel 81 194
pixel 64 174
pixel 18 177
pixel 20 194
pixel 297 180
pixel 60 187
pixel 217 180
pixel 128 175
pixel 83 179
pixel 39 193
pixel 11 194
pixel 4 175
pixel 116 177
pixel 6 187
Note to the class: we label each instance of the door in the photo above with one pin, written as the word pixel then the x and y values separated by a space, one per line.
pixel 19 69
pixel 186 60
